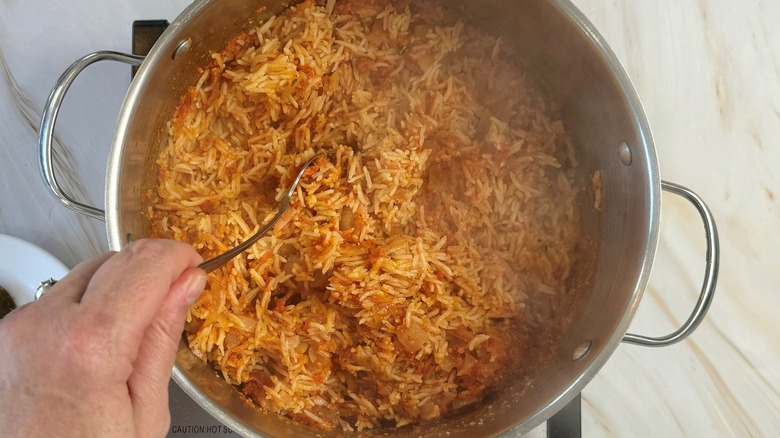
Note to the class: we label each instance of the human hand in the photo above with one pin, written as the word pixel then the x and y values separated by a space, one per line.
pixel 94 355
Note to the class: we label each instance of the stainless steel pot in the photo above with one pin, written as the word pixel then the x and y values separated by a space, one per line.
pixel 599 107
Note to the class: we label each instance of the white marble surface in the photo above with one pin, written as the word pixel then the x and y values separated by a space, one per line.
pixel 708 74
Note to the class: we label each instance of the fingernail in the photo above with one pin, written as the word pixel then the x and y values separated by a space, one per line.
pixel 195 287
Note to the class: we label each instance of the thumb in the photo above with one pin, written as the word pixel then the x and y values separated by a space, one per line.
pixel 148 384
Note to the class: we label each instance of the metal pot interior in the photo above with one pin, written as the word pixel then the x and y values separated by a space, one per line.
pixel 599 108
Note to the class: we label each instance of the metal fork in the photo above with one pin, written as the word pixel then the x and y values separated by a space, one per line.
pixel 281 205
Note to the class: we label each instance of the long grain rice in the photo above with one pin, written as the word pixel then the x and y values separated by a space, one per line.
pixel 418 260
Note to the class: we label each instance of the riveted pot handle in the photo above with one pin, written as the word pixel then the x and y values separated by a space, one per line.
pixel 710 274
pixel 49 118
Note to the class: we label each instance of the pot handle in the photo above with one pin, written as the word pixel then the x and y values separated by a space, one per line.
pixel 710 274
pixel 49 118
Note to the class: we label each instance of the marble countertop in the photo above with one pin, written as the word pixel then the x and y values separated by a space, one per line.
pixel 708 75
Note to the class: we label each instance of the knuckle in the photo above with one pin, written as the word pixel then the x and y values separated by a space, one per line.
pixel 166 333
pixel 148 249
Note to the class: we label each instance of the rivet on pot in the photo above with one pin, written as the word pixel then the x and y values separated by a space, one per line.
pixel 624 152
pixel 581 350
pixel 183 48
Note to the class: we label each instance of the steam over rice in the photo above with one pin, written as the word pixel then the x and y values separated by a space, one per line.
pixel 420 262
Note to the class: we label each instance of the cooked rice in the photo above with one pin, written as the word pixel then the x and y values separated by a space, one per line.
pixel 420 262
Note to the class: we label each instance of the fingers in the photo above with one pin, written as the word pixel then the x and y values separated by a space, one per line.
pixel 72 286
pixel 152 368
pixel 114 322
pixel 132 285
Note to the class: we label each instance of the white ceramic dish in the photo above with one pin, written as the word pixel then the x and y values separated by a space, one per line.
pixel 23 266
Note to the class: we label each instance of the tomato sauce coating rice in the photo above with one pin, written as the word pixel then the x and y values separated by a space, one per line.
pixel 420 261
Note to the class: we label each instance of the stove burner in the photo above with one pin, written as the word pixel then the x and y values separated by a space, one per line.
pixel 567 423
pixel 145 34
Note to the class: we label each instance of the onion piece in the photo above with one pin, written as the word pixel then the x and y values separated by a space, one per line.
pixel 413 337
